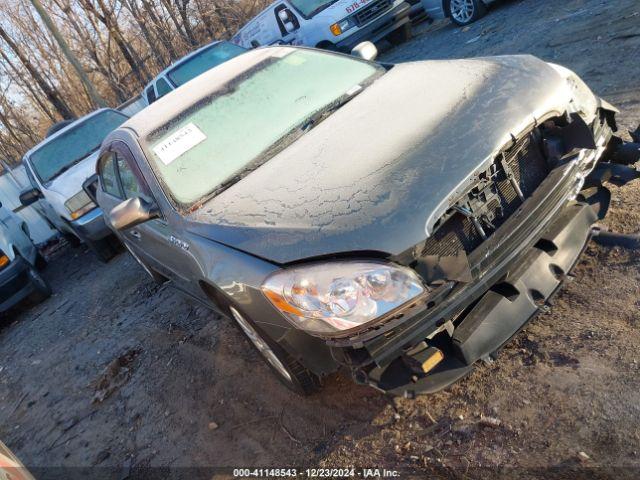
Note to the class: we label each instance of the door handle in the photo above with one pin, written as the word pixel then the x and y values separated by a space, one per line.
pixel 135 234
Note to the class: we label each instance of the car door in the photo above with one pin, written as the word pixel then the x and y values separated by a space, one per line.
pixel 153 242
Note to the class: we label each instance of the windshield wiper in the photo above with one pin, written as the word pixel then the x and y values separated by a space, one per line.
pixel 71 164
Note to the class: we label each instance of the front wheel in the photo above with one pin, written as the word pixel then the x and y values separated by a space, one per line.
pixel 464 12
pixel 290 372
pixel 105 249
pixel 400 35
pixel 41 289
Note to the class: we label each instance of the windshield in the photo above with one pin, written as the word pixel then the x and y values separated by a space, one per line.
pixel 203 61
pixel 235 130
pixel 75 144
pixel 309 8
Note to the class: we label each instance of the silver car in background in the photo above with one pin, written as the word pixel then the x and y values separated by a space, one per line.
pixel 461 12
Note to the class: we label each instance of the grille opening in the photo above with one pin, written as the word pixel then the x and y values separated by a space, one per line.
pixel 546 246
pixel 371 11
pixel 513 177
pixel 506 290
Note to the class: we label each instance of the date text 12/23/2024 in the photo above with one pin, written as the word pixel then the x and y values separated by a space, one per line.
pixel 315 473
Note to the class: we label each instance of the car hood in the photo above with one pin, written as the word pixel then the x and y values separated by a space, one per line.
pixel 376 175
pixel 70 182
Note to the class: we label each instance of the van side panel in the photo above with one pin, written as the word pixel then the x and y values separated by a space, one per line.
pixel 263 29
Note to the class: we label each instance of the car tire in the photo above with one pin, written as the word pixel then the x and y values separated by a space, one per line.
pixel 400 35
pixel 71 239
pixel 105 249
pixel 41 262
pixel 41 287
pixel 288 370
pixel 464 12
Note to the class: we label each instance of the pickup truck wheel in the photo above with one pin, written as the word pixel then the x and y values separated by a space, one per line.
pixel 42 290
pixel 288 370
pixel 400 35
pixel 105 249
pixel 464 12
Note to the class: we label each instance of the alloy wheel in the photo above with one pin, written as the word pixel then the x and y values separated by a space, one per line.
pixel 462 10
pixel 261 345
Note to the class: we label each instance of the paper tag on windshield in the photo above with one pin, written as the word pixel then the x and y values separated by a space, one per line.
pixel 179 143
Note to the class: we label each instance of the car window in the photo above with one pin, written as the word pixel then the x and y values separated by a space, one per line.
pixel 202 61
pixel 69 147
pixel 129 181
pixel 108 177
pixel 32 180
pixel 162 87
pixel 151 95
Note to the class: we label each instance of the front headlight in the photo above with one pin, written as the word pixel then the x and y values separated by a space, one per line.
pixel 332 298
pixel 79 204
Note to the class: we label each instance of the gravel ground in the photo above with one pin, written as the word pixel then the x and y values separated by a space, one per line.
pixel 114 371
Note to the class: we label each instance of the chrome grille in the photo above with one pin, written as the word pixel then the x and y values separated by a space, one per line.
pixel 371 11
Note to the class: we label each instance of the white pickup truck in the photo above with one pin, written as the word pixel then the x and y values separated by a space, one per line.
pixel 329 24
pixel 57 168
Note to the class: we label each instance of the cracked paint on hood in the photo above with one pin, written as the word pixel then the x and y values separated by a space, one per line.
pixel 376 174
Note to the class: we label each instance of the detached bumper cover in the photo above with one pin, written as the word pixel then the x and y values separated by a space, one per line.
pixel 91 226
pixel 505 309
pixel 15 284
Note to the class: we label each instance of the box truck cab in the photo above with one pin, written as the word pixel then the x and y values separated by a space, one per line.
pixel 330 24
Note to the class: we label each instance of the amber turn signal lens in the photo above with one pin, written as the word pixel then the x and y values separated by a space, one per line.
pixel 4 261
pixel 335 29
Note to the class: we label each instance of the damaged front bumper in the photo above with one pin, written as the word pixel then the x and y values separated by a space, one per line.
pixel 432 345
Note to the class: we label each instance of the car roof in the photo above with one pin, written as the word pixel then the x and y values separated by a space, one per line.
pixel 70 127
pixel 180 61
pixel 156 115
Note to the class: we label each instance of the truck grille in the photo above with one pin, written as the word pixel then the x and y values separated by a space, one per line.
pixel 494 199
pixel 375 9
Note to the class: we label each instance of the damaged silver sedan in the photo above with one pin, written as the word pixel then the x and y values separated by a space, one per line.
pixel 399 222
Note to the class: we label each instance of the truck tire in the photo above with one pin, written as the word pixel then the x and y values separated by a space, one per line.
pixel 288 370
pixel 400 35
pixel 326 45
pixel 105 249
pixel 464 12
pixel 42 290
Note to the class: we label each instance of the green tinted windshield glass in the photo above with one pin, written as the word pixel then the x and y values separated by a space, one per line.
pixel 203 61
pixel 75 144
pixel 206 147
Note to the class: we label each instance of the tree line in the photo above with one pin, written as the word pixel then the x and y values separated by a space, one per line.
pixel 120 44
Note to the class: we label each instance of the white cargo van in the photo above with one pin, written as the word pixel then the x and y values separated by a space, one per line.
pixel 330 24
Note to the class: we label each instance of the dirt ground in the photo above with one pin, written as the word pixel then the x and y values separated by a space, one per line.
pixel 114 371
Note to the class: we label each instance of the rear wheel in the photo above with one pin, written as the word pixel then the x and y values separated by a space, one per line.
pixel 290 372
pixel 464 12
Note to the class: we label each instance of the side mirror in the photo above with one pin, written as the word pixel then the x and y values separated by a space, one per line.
pixel 287 20
pixel 365 50
pixel 29 196
pixel 132 212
